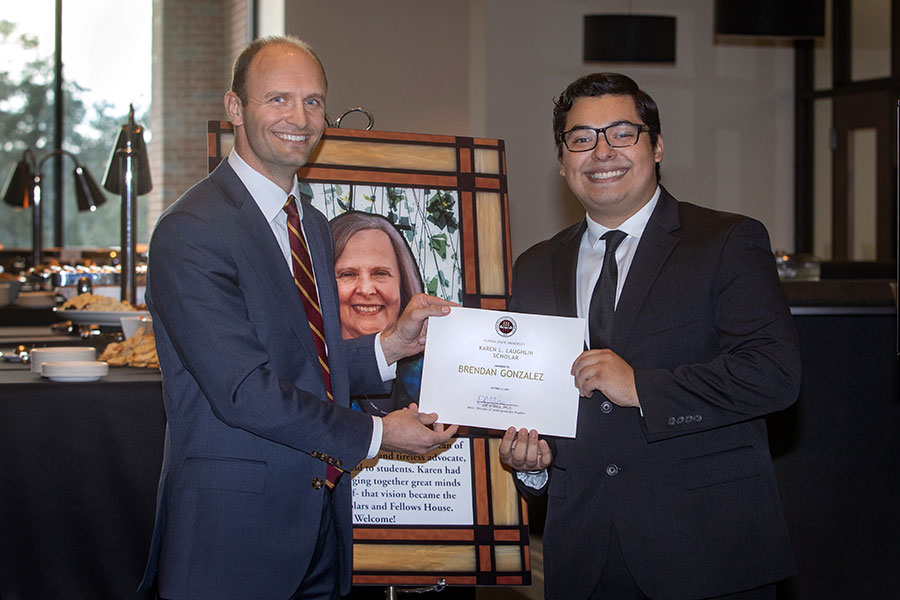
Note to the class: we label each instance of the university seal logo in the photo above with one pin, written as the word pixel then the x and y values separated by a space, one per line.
pixel 506 326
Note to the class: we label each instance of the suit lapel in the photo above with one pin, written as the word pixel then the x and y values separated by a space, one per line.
pixel 657 243
pixel 565 266
pixel 259 246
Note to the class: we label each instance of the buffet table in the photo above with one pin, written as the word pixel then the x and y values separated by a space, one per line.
pixel 79 465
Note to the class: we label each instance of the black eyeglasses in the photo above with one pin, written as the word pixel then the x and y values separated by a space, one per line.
pixel 617 135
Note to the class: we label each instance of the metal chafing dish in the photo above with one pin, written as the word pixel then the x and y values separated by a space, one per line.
pixel 53 276
pixel 70 280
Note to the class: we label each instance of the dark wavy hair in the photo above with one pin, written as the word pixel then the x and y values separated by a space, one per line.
pixel 241 69
pixel 601 84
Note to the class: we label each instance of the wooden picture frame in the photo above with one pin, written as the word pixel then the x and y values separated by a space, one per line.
pixel 494 549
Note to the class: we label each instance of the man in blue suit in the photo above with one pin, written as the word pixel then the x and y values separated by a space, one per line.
pixel 668 489
pixel 257 434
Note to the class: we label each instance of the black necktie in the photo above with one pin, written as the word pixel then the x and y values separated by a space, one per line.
pixel 603 300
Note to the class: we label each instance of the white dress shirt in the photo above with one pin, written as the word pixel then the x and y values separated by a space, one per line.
pixel 270 198
pixel 590 256
pixel 590 263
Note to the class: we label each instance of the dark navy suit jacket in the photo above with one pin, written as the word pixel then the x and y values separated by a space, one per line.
pixel 249 429
pixel 689 488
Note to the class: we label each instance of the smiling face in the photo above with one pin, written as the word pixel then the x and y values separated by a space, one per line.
pixel 368 280
pixel 279 127
pixel 611 183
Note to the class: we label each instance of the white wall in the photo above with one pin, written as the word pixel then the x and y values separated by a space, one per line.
pixel 270 18
pixel 492 67
pixel 407 61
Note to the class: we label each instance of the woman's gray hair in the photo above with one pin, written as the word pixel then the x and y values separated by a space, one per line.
pixel 344 226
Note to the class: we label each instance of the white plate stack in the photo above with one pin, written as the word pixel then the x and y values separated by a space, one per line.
pixel 75 370
pixel 60 354
pixel 36 300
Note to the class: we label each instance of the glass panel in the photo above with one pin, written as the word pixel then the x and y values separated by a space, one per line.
pixel 822 197
pixel 508 558
pixel 102 79
pixel 26 110
pixel 870 39
pixel 387 155
pixel 822 55
pixel 504 498
pixel 490 243
pixel 487 161
pixel 862 193
pixel 403 557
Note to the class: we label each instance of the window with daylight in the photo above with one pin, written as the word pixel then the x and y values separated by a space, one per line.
pixel 66 82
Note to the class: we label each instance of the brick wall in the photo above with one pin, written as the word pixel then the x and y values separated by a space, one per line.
pixel 194 46
pixel 241 28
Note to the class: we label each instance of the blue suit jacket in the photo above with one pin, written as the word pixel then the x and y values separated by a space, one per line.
pixel 249 426
pixel 688 487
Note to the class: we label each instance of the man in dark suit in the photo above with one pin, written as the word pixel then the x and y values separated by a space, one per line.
pixel 256 376
pixel 668 489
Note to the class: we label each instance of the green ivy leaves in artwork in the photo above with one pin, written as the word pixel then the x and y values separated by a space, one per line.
pixel 426 217
pixel 439 244
pixel 406 229
pixel 332 194
pixel 306 191
pixel 440 210
pixel 439 281
pixel 394 196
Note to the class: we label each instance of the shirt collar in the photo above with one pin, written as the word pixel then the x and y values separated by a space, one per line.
pixel 268 195
pixel 633 226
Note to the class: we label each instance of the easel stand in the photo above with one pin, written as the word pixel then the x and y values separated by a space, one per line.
pixel 391 592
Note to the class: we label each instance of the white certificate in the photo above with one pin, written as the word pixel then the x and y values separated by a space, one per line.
pixel 494 369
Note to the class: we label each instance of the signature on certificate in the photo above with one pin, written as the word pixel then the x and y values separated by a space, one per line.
pixel 495 403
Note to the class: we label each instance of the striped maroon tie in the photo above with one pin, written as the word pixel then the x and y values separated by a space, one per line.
pixel 305 280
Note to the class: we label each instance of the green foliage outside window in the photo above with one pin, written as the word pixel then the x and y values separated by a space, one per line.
pixel 27 121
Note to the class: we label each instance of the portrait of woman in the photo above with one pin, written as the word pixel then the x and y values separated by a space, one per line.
pixel 376 276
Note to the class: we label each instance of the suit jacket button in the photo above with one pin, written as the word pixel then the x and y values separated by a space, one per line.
pixel 679 420
pixel 612 470
pixel 671 421
pixel 339 463
pixel 697 418
pixel 314 454
pixel 317 483
pixel 606 406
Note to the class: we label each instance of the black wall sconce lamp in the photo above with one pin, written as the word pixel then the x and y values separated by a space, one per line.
pixel 23 190
pixel 629 38
pixel 128 174
pixel 771 18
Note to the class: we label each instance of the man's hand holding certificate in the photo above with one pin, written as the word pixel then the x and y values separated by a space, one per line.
pixel 497 369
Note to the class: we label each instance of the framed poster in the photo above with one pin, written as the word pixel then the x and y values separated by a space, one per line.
pixel 456 516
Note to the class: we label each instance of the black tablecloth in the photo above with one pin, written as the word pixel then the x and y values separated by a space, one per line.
pixel 15 315
pixel 837 460
pixel 79 465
